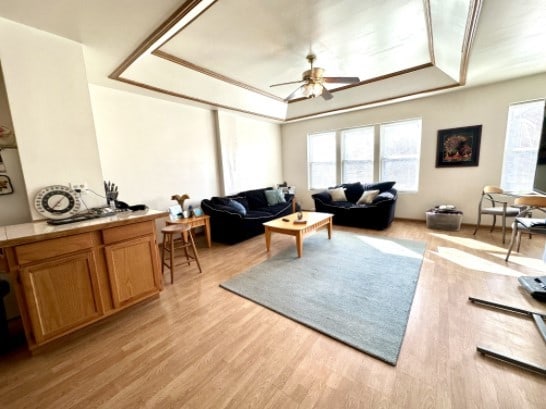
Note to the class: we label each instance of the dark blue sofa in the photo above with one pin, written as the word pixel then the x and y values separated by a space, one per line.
pixel 239 217
pixel 377 215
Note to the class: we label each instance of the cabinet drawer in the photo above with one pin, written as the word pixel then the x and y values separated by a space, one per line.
pixel 130 231
pixel 45 249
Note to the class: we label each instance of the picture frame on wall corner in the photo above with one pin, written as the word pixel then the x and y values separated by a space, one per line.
pixel 5 185
pixel 458 147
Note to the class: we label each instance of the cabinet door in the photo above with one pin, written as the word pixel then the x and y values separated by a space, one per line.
pixel 61 295
pixel 133 270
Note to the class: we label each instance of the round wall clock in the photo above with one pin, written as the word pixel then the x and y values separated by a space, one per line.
pixel 57 202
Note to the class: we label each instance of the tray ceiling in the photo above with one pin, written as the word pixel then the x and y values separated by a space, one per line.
pixel 225 54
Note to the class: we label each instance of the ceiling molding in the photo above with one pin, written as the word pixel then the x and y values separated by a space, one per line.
pixel 428 19
pixel 213 74
pixel 372 80
pixel 369 104
pixel 159 32
pixel 470 33
pixel 193 99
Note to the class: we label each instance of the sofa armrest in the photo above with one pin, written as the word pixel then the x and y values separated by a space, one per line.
pixel 323 196
pixel 218 210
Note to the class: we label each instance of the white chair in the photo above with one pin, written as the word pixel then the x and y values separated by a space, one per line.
pixel 495 203
pixel 525 223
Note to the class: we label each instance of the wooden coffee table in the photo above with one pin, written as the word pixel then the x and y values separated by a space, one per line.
pixel 314 221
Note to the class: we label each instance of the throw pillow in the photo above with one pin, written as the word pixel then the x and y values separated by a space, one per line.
pixel 382 186
pixel 338 194
pixel 237 207
pixel 281 195
pixel 353 191
pixel 241 200
pixel 272 197
pixel 368 196
pixel 256 198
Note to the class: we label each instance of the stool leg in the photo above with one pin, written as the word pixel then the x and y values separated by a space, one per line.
pixel 185 244
pixel 163 244
pixel 171 242
pixel 195 256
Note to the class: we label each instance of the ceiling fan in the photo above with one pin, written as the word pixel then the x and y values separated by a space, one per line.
pixel 314 82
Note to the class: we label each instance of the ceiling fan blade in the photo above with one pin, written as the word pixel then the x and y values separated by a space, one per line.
pixel 287 83
pixel 294 93
pixel 327 95
pixel 342 80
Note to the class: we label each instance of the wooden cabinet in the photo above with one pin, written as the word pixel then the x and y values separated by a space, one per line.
pixel 61 295
pixel 133 263
pixel 66 283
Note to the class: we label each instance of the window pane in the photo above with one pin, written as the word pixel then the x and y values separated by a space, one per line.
pixel 321 160
pixel 521 147
pixel 357 148
pixel 400 153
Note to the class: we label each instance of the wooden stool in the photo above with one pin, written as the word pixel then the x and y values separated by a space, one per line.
pixel 169 246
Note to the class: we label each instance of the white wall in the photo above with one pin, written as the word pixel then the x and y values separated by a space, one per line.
pixel 49 101
pixel 153 148
pixel 13 207
pixel 250 153
pixel 486 105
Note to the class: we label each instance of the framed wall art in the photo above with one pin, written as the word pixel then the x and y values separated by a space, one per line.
pixel 5 185
pixel 7 138
pixel 458 146
pixel 2 164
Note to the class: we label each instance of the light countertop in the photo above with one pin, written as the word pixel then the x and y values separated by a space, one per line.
pixel 27 232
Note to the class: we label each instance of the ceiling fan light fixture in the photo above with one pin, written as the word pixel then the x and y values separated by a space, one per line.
pixel 312 90
pixel 314 80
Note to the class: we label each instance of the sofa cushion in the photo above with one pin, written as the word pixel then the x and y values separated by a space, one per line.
pixel 368 196
pixel 338 194
pixel 323 196
pixel 257 214
pixel 353 191
pixel 224 201
pixel 241 200
pixel 256 198
pixel 274 196
pixel 237 207
pixel 381 186
pixel 384 196
pixel 275 209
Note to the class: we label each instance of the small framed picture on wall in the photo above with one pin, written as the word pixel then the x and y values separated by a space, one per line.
pixel 458 146
pixel 5 185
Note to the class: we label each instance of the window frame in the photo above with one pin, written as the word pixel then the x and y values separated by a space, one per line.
pixel 377 154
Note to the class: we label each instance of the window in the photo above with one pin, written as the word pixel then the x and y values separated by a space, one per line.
pixel 357 154
pixel 521 146
pixel 322 160
pixel 351 155
pixel 400 151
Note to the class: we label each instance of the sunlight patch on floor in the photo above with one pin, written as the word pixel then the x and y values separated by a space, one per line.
pixel 473 262
pixel 470 243
pixel 534 263
pixel 390 247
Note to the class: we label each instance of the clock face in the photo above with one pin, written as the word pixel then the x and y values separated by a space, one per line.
pixel 57 202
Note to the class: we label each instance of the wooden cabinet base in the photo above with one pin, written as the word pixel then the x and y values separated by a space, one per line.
pixel 78 277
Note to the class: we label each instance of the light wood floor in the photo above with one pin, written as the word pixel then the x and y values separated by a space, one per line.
pixel 199 346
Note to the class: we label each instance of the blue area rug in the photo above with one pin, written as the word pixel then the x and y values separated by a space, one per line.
pixel 357 289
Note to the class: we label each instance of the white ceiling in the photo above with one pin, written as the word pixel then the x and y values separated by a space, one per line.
pixel 228 52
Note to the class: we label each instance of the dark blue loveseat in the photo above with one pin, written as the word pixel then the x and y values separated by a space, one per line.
pixel 239 217
pixel 377 215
